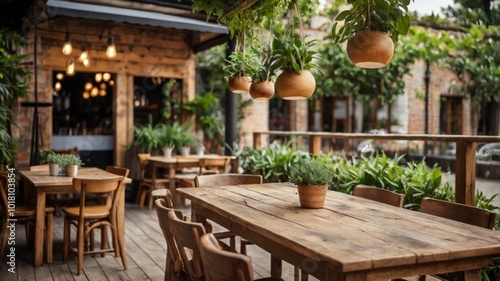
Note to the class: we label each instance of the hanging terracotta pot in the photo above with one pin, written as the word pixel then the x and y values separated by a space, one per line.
pixel 262 90
pixel 312 196
pixel 239 84
pixel 291 85
pixel 370 49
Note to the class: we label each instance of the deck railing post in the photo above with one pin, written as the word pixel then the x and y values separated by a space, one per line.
pixel 465 173
pixel 257 141
pixel 314 144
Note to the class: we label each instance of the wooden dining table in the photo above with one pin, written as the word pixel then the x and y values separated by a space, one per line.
pixel 350 238
pixel 173 164
pixel 42 184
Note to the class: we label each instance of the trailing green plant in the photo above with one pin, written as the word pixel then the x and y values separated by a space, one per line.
pixel 389 16
pixel 292 52
pixel 310 171
pixel 241 64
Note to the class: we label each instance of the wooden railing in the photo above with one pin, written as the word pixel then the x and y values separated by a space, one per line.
pixel 465 157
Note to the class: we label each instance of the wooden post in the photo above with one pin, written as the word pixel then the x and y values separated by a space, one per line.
pixel 314 144
pixel 257 141
pixel 465 173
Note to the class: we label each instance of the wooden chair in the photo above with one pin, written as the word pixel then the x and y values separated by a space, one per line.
pixel 214 165
pixel 222 265
pixel 173 264
pixel 227 179
pixel 458 212
pixel 24 214
pixel 146 184
pixel 379 194
pixel 87 218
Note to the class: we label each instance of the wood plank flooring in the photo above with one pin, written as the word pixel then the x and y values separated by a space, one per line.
pixel 145 248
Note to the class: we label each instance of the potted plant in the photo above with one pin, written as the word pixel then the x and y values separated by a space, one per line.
pixel 236 68
pixel 167 137
pixel 184 141
pixel 71 164
pixel 262 87
pixel 371 27
pixel 147 136
pixel 295 57
pixel 312 178
pixel 55 162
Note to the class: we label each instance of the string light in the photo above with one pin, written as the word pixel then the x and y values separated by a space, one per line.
pixel 67 48
pixel 70 68
pixel 111 50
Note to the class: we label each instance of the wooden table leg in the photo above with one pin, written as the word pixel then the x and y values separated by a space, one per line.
pixel 39 228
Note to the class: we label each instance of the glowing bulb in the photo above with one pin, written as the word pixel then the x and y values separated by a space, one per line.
pixel 59 76
pixel 111 50
pixel 67 48
pixel 106 76
pixel 86 95
pixel 111 82
pixel 86 62
pixel 94 92
pixel 98 77
pixel 70 68
pixel 84 54
pixel 88 86
pixel 58 86
pixel 102 93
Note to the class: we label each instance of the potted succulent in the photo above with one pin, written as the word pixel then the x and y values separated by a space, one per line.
pixel 312 178
pixel 371 27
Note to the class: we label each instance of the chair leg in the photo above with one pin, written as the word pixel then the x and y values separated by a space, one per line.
pixel 49 236
pixel 67 237
pixel 80 237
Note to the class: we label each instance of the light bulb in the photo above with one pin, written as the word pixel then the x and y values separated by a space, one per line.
pixel 102 86
pixel 102 93
pixel 88 86
pixel 111 82
pixel 70 68
pixel 98 77
pixel 58 86
pixel 59 76
pixel 111 50
pixel 86 95
pixel 106 76
pixel 94 92
pixel 67 48
pixel 86 62
pixel 84 55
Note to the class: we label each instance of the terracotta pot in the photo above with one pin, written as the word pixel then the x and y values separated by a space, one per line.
pixel 370 49
pixel 291 85
pixel 312 196
pixel 262 90
pixel 239 84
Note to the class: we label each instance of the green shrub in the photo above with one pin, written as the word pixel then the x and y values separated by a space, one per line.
pixel 310 171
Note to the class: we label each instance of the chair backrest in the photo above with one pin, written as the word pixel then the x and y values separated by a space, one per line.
pixel 73 150
pixel 162 210
pixel 109 186
pixel 143 163
pixel 217 164
pixel 379 194
pixel 187 235
pixel 227 179
pixel 222 265
pixel 37 168
pixel 120 171
pixel 459 212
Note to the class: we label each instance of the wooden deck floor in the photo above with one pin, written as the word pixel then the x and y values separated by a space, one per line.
pixel 145 248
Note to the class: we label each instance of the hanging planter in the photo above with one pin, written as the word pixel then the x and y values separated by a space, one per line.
pixel 370 49
pixel 262 90
pixel 239 84
pixel 371 28
pixel 295 57
pixel 291 85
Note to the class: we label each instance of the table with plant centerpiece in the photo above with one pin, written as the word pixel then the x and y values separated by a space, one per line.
pixel 350 238
pixel 43 183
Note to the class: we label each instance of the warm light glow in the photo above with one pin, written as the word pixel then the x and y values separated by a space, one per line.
pixel 86 62
pixel 58 86
pixel 84 55
pixel 94 92
pixel 106 76
pixel 67 48
pixel 102 93
pixel 98 77
pixel 86 95
pixel 111 83
pixel 88 86
pixel 102 86
pixel 111 50
pixel 70 68
pixel 59 76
